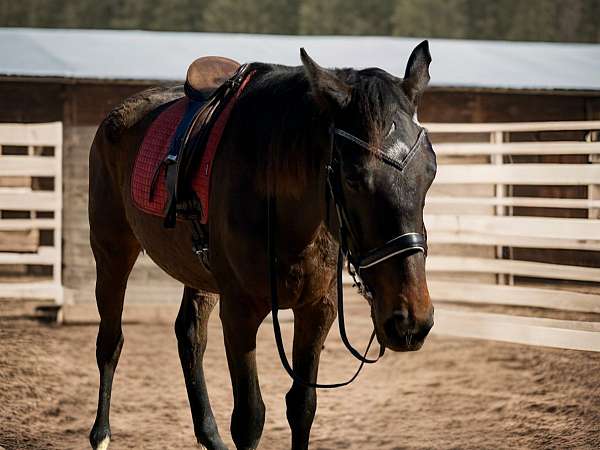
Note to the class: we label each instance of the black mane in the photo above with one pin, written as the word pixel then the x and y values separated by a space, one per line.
pixel 278 114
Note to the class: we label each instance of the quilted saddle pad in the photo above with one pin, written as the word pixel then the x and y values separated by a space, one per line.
pixel 154 149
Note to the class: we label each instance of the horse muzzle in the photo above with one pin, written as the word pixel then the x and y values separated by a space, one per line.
pixel 402 332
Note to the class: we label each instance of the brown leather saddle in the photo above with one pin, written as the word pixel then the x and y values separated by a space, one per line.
pixel 206 74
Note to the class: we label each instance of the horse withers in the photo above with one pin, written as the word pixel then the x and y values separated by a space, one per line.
pixel 289 131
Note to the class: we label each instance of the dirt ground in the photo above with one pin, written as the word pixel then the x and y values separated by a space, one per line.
pixel 454 393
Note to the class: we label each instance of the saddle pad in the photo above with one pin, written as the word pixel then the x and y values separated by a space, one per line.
pixel 151 154
pixel 154 149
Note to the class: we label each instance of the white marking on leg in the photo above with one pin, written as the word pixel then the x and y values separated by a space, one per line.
pixel 103 445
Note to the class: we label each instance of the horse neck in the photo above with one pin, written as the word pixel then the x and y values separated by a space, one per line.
pixel 303 217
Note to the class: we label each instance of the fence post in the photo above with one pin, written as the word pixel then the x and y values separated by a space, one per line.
pixel 593 189
pixel 497 137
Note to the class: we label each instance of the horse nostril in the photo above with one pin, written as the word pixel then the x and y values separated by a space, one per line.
pixel 400 318
pixel 398 314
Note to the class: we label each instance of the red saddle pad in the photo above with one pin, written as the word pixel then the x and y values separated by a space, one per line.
pixel 154 149
pixel 151 153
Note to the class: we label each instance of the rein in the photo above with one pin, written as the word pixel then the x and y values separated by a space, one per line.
pixel 400 245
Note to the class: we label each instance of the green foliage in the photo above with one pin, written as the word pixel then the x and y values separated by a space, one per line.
pixel 339 17
pixel 430 18
pixel 546 20
pixel 256 16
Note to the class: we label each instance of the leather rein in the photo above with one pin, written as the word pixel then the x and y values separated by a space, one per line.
pixel 401 245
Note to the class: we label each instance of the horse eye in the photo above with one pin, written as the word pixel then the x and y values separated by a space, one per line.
pixel 392 129
pixel 353 183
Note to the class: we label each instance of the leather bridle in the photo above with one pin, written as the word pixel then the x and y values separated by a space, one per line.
pixel 405 243
pixel 402 245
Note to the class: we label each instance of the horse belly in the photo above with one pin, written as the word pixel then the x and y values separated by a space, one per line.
pixel 169 248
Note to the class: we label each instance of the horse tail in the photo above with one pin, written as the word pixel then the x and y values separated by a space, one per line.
pixel 135 108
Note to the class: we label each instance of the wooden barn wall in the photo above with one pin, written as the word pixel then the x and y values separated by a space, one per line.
pixel 81 107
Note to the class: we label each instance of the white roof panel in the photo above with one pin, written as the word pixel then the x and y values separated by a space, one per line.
pixel 150 55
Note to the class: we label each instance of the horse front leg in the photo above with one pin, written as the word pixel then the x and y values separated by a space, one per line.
pixel 191 328
pixel 311 326
pixel 240 323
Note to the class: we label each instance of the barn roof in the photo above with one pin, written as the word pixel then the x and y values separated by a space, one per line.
pixel 150 55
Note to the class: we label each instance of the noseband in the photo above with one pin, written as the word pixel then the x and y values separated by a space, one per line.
pixel 402 245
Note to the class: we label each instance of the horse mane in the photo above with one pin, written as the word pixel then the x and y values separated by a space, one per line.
pixel 278 112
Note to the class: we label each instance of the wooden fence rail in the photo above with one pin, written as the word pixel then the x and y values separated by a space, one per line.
pixel 32 210
pixel 472 206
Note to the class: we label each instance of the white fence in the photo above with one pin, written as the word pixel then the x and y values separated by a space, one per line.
pixel 30 210
pixel 474 231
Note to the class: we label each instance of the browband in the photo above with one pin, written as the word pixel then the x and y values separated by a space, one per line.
pixel 380 154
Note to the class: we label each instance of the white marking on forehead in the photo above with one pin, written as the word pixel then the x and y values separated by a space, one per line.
pixel 398 150
pixel 416 119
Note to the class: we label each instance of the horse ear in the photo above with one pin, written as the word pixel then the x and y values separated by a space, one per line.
pixel 416 76
pixel 328 90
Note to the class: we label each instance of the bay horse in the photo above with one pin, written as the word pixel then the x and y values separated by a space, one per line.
pixel 278 144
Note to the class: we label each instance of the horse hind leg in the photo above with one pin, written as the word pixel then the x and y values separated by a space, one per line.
pixel 115 250
pixel 191 328
pixel 114 262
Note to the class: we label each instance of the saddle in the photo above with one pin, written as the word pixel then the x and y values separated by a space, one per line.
pixel 206 74
pixel 210 85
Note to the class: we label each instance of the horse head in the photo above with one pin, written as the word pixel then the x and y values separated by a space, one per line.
pixel 382 165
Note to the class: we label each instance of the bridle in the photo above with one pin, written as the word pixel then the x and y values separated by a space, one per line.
pixel 402 245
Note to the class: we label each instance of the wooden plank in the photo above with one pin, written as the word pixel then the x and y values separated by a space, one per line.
pixel 442 291
pixel 45 256
pixel 58 214
pixel 30 166
pixel 33 290
pixel 593 189
pixel 533 202
pixel 528 174
pixel 19 241
pixel 25 199
pixel 512 126
pixel 505 266
pixel 28 224
pixel 520 330
pixel 490 239
pixel 538 227
pixel 38 134
pixel 518 148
